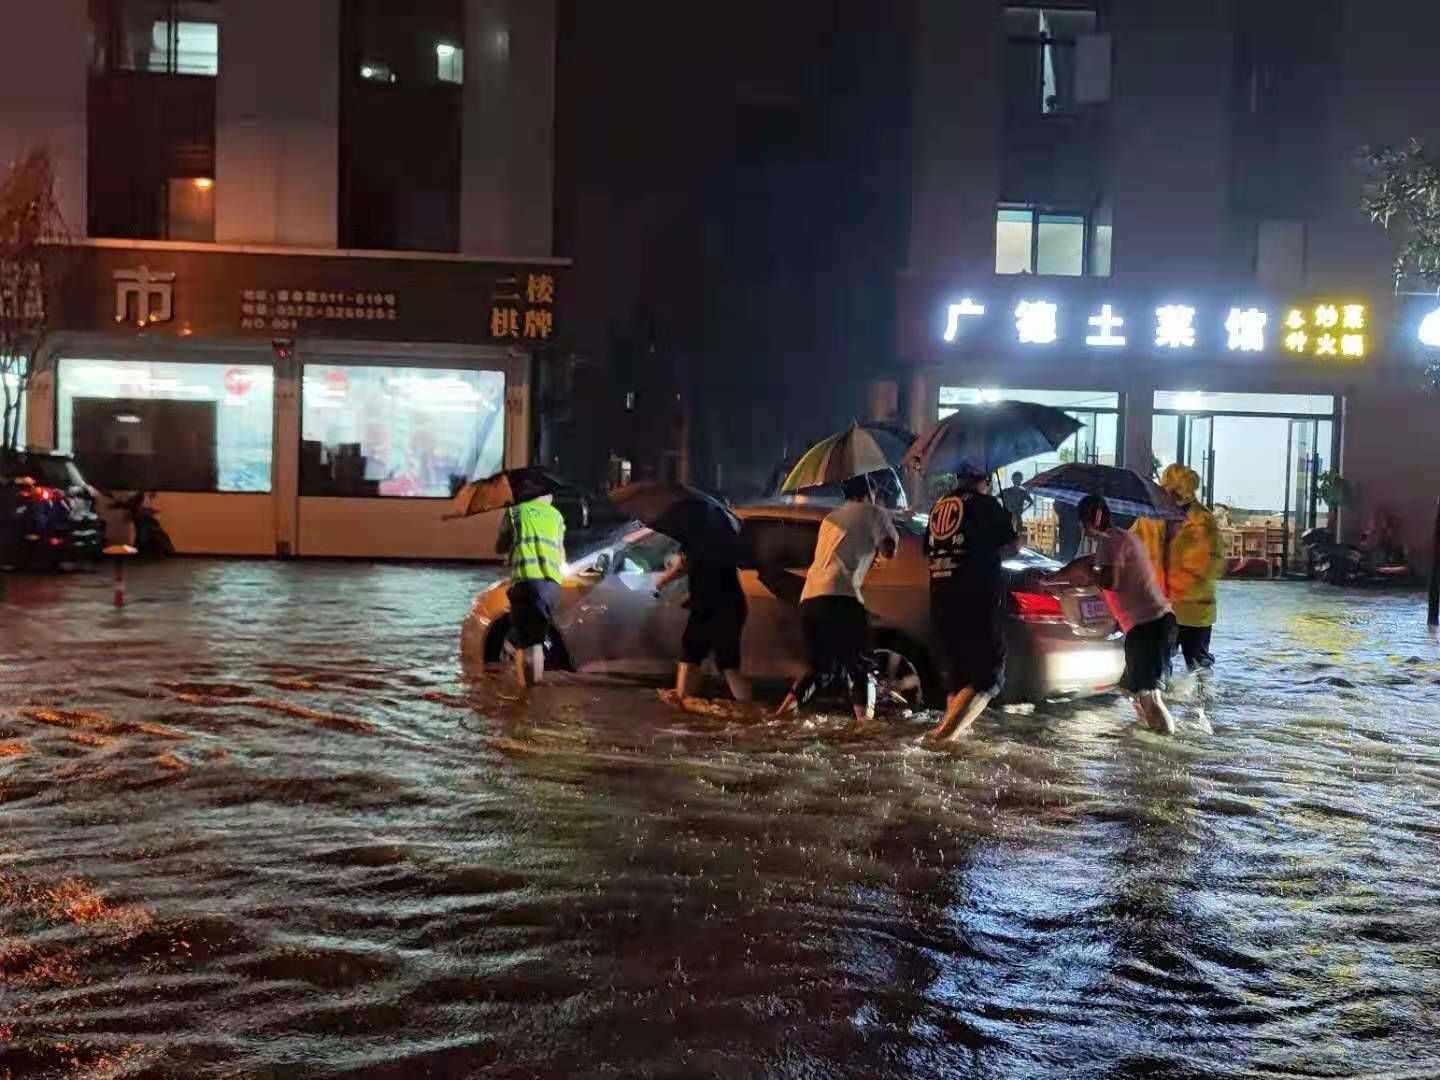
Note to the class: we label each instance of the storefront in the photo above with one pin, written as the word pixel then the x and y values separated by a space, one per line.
pixel 1268 397
pixel 294 403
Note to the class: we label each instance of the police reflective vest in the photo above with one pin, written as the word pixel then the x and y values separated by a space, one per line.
pixel 537 551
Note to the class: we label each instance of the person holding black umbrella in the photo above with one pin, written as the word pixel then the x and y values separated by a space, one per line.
pixel 717 620
pixel 970 534
pixel 832 608
pixel 710 555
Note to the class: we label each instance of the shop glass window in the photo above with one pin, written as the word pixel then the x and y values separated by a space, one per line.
pixel 1195 401
pixel 11 397
pixel 134 425
pixel 371 431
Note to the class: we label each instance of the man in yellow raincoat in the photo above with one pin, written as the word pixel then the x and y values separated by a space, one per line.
pixel 1188 561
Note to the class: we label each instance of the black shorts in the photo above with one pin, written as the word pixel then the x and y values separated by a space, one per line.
pixel 837 643
pixel 1194 642
pixel 970 638
pixel 1147 655
pixel 531 603
pixel 714 632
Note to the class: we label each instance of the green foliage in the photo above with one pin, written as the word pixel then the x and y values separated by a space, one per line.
pixel 1405 185
pixel 1067 455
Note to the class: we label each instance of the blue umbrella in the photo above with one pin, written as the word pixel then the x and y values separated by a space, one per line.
pixel 1127 493
pixel 986 438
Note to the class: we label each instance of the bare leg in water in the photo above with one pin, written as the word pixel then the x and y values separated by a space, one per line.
pixel 530 665
pixel 962 709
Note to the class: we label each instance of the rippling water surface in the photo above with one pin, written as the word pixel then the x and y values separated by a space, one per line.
pixel 258 825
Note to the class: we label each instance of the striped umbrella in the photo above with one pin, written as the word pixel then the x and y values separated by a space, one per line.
pixel 853 452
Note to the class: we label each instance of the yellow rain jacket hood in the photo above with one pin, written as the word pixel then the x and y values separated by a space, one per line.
pixel 1186 554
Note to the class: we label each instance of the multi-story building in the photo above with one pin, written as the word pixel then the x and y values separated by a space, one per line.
pixel 311 282
pixel 1148 213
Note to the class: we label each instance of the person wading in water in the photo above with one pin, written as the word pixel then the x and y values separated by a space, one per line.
pixel 969 535
pixel 832 608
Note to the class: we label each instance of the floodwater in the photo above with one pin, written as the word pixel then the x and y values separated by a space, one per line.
pixel 257 825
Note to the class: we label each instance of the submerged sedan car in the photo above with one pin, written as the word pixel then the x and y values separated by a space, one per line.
pixel 1062 641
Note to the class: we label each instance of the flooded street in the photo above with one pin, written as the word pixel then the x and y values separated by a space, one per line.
pixel 257 824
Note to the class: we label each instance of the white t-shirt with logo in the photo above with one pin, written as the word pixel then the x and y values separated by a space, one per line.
pixel 848 541
pixel 1136 598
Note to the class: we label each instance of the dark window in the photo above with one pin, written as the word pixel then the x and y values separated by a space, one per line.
pixel 1041 58
pixel 402 66
pixel 1030 240
pixel 151 120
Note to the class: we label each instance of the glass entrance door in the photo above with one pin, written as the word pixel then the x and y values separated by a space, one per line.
pixel 1302 473
pixel 1197 443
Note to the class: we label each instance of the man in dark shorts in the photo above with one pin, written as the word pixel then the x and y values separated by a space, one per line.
pixel 1122 567
pixel 532 535
pixel 969 536
pixel 832 609
pixel 717 621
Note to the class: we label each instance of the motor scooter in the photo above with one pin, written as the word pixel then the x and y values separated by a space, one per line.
pixel 148 536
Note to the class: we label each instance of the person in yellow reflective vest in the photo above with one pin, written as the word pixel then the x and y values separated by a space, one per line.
pixel 1188 561
pixel 533 536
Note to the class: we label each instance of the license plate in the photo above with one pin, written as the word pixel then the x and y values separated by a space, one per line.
pixel 1093 609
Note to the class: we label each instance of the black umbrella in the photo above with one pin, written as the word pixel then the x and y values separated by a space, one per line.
pixel 1126 492
pixel 986 438
pixel 704 525
pixel 893 437
pixel 503 489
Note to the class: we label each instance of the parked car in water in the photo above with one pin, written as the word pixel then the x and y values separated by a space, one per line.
pixel 1062 641
pixel 48 515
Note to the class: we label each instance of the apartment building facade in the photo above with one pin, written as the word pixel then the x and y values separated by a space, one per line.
pixel 1148 213
pixel 312 282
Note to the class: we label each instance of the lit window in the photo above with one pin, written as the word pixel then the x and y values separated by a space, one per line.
pixel 401 432
pixel 183 47
pixel 1060 245
pixel 134 425
pixel 376 71
pixel 1031 241
pixel 1013 241
pixel 449 63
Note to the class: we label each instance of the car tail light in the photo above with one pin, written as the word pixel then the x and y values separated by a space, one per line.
pixel 1038 607
pixel 46 494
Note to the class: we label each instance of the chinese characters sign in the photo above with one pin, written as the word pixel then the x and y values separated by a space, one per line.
pixel 287 310
pixel 522 307
pixel 1326 330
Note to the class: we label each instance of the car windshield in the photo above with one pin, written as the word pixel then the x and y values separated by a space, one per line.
pixel 646 553
pixel 46 471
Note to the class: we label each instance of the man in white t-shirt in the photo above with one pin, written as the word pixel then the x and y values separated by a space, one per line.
pixel 832 608
pixel 1121 566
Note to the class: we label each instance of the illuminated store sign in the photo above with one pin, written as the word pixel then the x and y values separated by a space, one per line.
pixel 1326 330
pixel 1175 327
pixel 1035 322
pixel 1430 330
